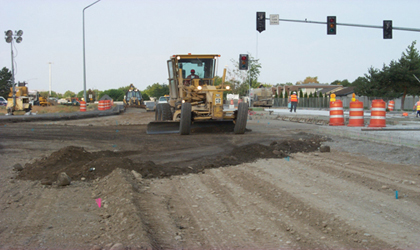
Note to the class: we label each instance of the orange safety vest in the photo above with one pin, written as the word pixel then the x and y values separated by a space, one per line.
pixel 418 105
pixel 293 98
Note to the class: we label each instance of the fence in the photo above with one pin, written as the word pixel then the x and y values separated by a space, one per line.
pixel 324 102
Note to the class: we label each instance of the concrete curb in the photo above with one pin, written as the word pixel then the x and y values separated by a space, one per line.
pixel 116 110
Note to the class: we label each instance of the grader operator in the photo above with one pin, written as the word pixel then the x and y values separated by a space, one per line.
pixel 194 99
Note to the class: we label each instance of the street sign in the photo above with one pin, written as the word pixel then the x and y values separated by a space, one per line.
pixel 274 19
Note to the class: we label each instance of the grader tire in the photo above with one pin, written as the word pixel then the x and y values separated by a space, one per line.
pixel 166 112
pixel 158 113
pixel 185 124
pixel 241 118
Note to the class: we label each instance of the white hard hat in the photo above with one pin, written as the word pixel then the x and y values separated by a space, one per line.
pixel 294 92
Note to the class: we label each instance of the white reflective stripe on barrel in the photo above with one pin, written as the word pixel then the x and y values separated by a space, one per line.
pixel 378 117
pixel 356 109
pixel 378 109
pixel 341 108
pixel 336 116
pixel 356 117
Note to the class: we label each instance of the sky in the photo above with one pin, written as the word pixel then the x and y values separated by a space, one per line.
pixel 129 41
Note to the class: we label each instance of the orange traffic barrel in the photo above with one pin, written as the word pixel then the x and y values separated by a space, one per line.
pixel 108 104
pixel 336 113
pixel 378 114
pixel 82 106
pixel 391 105
pixel 356 118
pixel 101 105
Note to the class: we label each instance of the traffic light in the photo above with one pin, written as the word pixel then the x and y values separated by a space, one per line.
pixel 331 25
pixel 243 62
pixel 387 29
pixel 260 21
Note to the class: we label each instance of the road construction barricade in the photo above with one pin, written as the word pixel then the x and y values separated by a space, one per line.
pixel 391 105
pixel 101 105
pixel 356 118
pixel 336 113
pixel 82 106
pixel 378 114
pixel 108 104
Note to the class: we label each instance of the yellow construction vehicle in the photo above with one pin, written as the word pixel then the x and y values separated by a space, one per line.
pixel 194 100
pixel 21 100
pixel 44 102
pixel 133 98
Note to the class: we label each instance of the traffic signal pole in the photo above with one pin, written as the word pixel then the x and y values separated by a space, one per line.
pixel 349 24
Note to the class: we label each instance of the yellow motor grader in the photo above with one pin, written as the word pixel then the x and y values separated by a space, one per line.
pixel 194 100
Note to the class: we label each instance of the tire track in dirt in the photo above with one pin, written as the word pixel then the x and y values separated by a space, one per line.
pixel 386 179
pixel 352 201
pixel 310 226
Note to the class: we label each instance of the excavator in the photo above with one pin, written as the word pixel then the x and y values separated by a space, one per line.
pixel 133 98
pixel 194 99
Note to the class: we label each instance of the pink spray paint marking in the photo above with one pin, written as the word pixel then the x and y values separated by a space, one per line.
pixel 98 201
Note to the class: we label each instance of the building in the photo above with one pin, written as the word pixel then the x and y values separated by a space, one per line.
pixel 307 88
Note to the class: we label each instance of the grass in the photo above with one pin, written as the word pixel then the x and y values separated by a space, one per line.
pixel 51 109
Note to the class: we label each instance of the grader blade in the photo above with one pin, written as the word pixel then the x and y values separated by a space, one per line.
pixel 162 127
pixel 171 127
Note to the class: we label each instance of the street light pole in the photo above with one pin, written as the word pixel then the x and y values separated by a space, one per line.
pixel 50 76
pixel 84 52
pixel 10 36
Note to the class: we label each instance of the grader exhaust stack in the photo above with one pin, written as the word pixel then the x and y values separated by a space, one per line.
pixel 195 101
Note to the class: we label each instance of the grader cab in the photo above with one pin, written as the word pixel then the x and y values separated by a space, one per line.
pixel 194 100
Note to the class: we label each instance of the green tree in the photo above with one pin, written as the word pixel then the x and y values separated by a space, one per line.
pixel 5 82
pixel 344 83
pixel 370 85
pixel 401 73
pixel 300 93
pixel 157 90
pixel 145 96
pixel 310 79
pixel 240 80
pixel 68 94
pixel 81 94
pixel 115 94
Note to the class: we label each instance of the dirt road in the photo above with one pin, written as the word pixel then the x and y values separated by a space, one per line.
pixel 270 188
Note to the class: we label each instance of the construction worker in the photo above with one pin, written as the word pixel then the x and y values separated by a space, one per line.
pixel 417 107
pixel 293 99
pixel 192 76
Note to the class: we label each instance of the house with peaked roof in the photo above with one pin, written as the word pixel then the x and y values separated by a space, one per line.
pixel 348 91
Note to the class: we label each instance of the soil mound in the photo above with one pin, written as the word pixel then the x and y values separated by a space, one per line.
pixel 78 163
